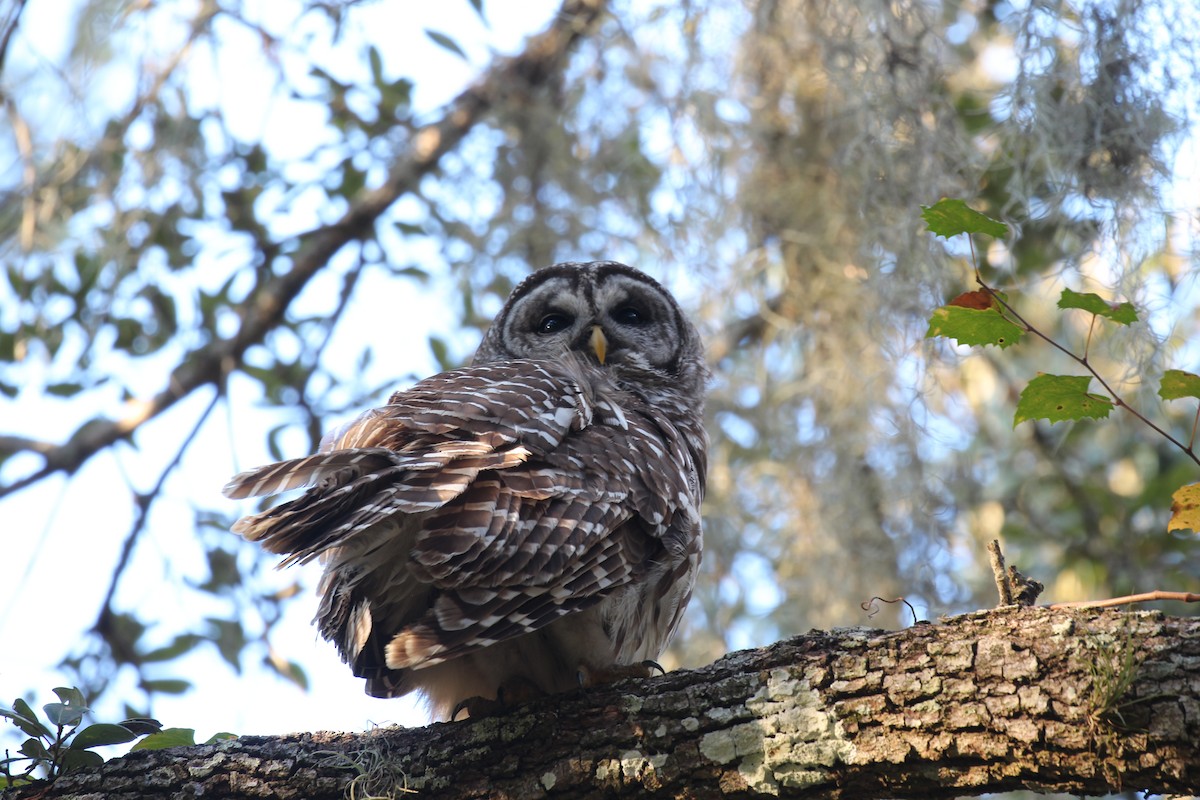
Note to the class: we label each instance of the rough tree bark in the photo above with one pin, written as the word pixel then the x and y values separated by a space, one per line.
pixel 1080 701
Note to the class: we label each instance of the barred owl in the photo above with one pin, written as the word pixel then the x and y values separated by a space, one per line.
pixel 521 525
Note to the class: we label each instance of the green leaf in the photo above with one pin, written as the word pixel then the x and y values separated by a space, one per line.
pixel 66 389
pixel 289 670
pixel 34 748
pixel 973 326
pixel 1123 313
pixel 1060 397
pixel 1176 384
pixel 230 640
pixel 80 759
pixel 223 571
pixel 70 695
pixel 409 229
pixel 63 715
pixel 442 40
pixel 441 352
pixel 167 686
pixel 178 646
pixel 26 719
pixel 223 736
pixel 949 218
pixel 376 62
pixel 140 726
pixel 100 734
pixel 167 737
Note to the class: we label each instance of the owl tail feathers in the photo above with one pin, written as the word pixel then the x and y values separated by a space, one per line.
pixel 415 647
pixel 308 525
pixel 284 475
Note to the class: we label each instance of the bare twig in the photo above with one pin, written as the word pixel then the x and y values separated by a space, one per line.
pixel 871 607
pixel 8 27
pixel 544 56
pixel 144 501
pixel 998 573
pixel 1144 597
pixel 10 445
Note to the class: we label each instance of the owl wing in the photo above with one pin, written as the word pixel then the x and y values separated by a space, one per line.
pixel 519 491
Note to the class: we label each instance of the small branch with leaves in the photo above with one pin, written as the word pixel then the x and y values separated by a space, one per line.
pixel 59 744
pixel 987 317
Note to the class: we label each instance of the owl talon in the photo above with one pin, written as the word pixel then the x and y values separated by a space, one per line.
pixel 590 676
pixel 509 695
pixel 478 707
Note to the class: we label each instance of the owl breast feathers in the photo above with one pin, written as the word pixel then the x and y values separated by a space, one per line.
pixel 516 524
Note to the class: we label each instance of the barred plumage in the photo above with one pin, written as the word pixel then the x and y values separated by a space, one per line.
pixel 516 523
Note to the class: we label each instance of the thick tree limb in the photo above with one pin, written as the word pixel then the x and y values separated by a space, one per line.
pixel 544 56
pixel 1079 701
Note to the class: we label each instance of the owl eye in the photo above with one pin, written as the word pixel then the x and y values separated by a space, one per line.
pixel 554 322
pixel 630 315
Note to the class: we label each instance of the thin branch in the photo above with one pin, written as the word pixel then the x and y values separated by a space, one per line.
pixel 144 501
pixel 9 26
pixel 1083 362
pixel 11 445
pixel 23 138
pixel 544 56
pixel 1195 422
pixel 349 282
pixel 1144 597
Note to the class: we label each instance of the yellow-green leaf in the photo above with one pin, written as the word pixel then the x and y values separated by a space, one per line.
pixel 1123 313
pixel 950 217
pixel 1176 384
pixel 167 737
pixel 1060 397
pixel 973 326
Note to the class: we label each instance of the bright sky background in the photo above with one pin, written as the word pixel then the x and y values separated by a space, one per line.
pixel 60 539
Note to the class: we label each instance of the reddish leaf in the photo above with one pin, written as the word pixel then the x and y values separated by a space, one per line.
pixel 978 300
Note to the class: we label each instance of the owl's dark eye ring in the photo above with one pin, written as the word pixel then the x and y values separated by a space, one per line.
pixel 554 322
pixel 630 315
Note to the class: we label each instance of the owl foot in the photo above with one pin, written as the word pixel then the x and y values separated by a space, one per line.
pixel 509 695
pixel 592 676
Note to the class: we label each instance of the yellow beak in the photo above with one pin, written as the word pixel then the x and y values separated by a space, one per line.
pixel 599 343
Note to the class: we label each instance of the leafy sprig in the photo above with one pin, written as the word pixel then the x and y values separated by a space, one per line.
pixel 987 317
pixel 59 744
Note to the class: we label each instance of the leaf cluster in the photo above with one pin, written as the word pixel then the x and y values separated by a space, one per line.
pixel 988 317
pixel 61 743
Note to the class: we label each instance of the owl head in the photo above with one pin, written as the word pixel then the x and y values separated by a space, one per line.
pixel 608 314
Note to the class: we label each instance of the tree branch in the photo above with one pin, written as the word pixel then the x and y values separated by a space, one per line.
pixel 1087 702
pixel 8 26
pixel 544 56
